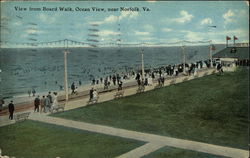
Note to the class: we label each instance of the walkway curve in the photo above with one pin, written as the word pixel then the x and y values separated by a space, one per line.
pixel 145 137
pixel 141 151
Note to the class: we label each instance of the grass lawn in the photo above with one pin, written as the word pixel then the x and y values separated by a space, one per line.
pixel 169 152
pixel 32 139
pixel 211 109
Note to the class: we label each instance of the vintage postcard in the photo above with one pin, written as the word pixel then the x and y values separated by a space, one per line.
pixel 125 79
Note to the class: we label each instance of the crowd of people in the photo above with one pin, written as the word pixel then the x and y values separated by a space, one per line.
pixel 42 105
pixel 150 74
pixel 45 103
pixel 159 74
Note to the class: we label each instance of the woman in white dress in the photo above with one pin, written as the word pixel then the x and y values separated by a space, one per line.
pixel 95 95
pixel 195 71
pixel 150 81
pixel 55 101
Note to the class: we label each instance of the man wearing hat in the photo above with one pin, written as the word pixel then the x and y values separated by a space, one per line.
pixel 11 109
pixel 36 104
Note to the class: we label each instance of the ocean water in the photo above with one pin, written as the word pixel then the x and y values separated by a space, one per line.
pixel 43 68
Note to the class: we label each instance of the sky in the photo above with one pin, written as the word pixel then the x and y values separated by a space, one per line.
pixel 163 22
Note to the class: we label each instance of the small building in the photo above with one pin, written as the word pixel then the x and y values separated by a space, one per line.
pixel 231 57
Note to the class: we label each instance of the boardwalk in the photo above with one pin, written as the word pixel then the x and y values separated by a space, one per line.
pixel 80 101
pixel 24 103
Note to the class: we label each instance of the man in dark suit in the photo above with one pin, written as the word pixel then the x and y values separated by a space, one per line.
pixel 11 109
pixel 37 103
pixel 73 87
pixel 91 94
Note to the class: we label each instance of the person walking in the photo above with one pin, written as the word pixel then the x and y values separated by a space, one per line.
pixel 36 103
pixel 29 92
pixel 11 109
pixel 162 80
pixel 73 87
pixel 150 81
pixel 55 102
pixel 139 82
pixel 42 103
pixel 34 92
pixel 50 98
pixel 219 69
pixel 159 82
pixel 91 94
pixel 95 95
pixel 137 76
pixel 106 84
pixel 47 103
pixel 146 82
pixel 119 85
pixel 114 79
pixel 153 75
pixel 195 71
pixel 93 81
pixel 76 91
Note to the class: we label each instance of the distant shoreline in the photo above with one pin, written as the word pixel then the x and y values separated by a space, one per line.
pixel 121 46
